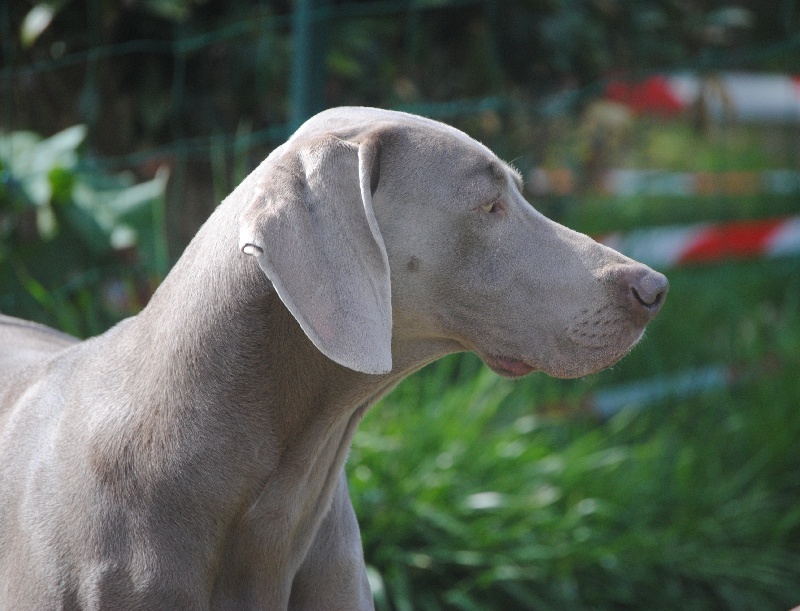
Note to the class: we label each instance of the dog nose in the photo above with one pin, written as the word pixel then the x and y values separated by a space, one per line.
pixel 646 289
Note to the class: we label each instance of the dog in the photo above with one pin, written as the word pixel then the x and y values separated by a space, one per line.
pixel 192 456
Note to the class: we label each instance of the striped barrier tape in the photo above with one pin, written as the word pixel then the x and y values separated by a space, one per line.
pixel 665 247
pixel 606 403
pixel 743 96
pixel 626 183
pixel 686 384
pixel 683 385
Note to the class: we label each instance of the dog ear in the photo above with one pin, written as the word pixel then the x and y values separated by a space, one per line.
pixel 309 222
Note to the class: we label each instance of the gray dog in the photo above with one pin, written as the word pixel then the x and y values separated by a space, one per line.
pixel 192 456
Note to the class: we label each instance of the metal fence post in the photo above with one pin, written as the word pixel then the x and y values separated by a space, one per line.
pixel 310 46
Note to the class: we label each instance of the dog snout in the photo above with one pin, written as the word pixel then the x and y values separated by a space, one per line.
pixel 646 289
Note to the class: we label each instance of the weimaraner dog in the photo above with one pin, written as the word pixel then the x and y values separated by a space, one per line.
pixel 192 456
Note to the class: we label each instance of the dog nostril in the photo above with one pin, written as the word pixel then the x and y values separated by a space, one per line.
pixel 644 301
pixel 649 289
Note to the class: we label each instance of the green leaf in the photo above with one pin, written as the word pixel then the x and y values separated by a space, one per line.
pixel 30 159
pixel 61 185
pixel 35 22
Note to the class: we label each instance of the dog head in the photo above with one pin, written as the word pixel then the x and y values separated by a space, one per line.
pixel 380 229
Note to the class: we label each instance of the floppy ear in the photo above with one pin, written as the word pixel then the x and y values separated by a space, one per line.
pixel 309 222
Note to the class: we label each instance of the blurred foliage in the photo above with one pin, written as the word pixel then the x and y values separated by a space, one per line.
pixel 233 58
pixel 177 82
pixel 69 232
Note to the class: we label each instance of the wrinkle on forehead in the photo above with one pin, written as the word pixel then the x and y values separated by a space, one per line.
pixel 497 167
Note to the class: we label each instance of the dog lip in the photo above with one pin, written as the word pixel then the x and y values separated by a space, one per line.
pixel 507 366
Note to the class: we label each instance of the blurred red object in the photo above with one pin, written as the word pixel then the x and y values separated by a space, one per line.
pixel 653 95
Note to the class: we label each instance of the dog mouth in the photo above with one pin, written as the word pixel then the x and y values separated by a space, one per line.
pixel 507 367
pixel 583 360
pixel 571 359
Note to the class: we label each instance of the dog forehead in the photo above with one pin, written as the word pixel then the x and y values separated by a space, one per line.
pixel 455 148
pixel 439 148
pixel 349 123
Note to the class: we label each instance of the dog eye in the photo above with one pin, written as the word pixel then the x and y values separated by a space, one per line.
pixel 489 207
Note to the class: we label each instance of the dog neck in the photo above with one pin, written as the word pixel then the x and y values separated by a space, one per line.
pixel 228 389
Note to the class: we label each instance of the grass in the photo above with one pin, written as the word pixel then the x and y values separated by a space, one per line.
pixel 470 497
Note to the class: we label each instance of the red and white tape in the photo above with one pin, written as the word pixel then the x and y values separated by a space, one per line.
pixel 664 247
pixel 636 395
pixel 760 98
pixel 680 385
pixel 664 183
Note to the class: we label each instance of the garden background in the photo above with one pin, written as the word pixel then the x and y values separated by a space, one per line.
pixel 671 481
